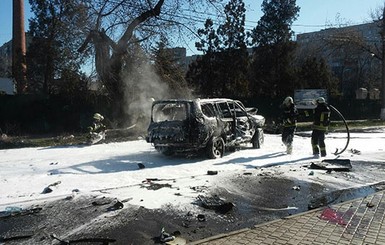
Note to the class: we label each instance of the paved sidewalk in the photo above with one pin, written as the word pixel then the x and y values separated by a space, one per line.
pixel 360 221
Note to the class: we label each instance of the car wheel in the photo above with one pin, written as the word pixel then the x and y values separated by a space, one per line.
pixel 258 138
pixel 216 148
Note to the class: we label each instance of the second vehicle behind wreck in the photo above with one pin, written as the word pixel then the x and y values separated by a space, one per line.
pixel 212 125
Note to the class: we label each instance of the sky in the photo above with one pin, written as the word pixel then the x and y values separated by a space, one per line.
pixel 314 14
pixel 112 170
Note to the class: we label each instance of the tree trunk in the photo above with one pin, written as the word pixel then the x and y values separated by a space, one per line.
pixel 110 66
pixel 382 114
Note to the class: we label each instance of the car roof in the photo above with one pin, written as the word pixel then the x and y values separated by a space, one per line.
pixel 195 100
pixel 216 100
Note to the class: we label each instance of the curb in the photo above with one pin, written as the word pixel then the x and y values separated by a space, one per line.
pixel 222 235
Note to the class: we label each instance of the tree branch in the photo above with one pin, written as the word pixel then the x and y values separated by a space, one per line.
pixel 122 43
pixel 85 43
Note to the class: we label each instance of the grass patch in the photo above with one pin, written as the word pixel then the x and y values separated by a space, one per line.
pixel 9 142
pixel 339 125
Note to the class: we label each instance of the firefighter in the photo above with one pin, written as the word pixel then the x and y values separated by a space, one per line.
pixel 97 125
pixel 289 123
pixel 320 126
pixel 97 129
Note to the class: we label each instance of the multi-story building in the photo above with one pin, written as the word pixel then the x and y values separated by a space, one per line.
pixel 6 57
pixel 180 58
pixel 6 60
pixel 352 53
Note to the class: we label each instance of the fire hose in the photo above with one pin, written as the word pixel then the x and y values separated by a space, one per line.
pixel 347 130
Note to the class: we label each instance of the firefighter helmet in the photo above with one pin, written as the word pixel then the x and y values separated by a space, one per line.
pixel 99 117
pixel 288 101
pixel 320 100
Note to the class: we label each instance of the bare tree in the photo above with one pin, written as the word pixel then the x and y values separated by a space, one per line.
pixel 110 54
pixel 139 22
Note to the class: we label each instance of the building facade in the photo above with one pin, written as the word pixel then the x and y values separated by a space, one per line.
pixel 352 52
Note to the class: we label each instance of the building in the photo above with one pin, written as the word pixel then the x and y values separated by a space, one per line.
pixel 351 52
pixel 6 57
pixel 180 58
pixel 7 86
pixel 6 60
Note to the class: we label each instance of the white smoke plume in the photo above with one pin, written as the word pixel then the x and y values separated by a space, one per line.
pixel 143 86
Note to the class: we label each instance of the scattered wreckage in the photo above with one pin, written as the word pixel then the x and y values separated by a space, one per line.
pixel 332 165
pixel 213 125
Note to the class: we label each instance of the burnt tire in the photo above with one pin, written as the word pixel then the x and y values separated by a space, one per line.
pixel 258 139
pixel 216 148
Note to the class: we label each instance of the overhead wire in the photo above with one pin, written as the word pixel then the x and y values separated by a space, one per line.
pixel 253 23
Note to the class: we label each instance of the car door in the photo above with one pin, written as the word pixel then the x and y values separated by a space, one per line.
pixel 244 127
pixel 226 119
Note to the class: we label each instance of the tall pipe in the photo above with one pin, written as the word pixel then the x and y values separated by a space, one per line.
pixel 19 66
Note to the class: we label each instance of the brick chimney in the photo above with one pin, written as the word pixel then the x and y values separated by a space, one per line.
pixel 19 67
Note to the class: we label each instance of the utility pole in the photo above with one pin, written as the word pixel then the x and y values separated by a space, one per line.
pixel 19 66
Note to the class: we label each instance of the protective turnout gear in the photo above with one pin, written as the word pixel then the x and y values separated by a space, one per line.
pixel 320 126
pixel 321 117
pixel 290 113
pixel 289 120
pixel 97 131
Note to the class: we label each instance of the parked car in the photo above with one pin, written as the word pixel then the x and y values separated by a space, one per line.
pixel 211 125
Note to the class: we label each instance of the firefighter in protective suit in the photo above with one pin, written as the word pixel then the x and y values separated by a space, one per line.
pixel 97 129
pixel 321 123
pixel 289 123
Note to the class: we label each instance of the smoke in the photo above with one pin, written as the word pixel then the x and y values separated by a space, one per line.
pixel 143 86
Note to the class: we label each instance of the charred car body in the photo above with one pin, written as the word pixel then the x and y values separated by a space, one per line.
pixel 213 125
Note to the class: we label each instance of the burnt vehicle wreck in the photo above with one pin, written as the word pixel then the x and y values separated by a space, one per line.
pixel 211 125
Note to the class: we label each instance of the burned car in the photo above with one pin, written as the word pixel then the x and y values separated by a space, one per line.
pixel 211 125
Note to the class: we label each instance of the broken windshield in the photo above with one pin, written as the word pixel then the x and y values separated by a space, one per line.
pixel 169 111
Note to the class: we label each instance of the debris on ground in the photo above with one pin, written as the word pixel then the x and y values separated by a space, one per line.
pixel 156 186
pixel 215 203
pixel 212 172
pixel 333 216
pixel 355 151
pixel 165 237
pixel 369 205
pixel 199 188
pixel 48 189
pixel 101 201
pixel 117 205
pixel 332 164
pixel 171 239
pixel 201 217
pixel 296 188
pixel 150 184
